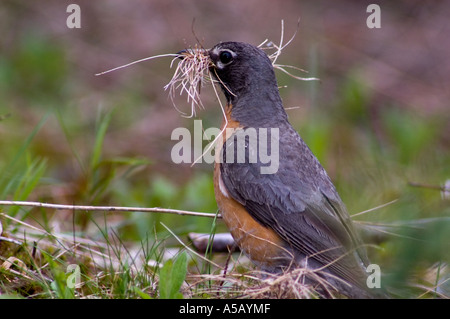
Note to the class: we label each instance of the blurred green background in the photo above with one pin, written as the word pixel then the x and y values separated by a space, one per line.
pixel 378 120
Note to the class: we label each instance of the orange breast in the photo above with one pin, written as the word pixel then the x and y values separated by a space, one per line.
pixel 261 244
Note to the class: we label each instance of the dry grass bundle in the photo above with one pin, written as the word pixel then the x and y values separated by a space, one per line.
pixel 191 73
pixel 261 285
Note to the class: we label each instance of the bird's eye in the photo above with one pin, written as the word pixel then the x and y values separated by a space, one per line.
pixel 225 57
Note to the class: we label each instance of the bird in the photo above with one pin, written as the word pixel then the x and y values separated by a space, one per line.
pixel 291 216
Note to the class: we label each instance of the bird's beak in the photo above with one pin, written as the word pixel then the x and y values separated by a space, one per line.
pixel 182 54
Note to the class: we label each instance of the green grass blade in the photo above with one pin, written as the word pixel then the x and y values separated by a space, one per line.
pixel 99 139
pixel 172 276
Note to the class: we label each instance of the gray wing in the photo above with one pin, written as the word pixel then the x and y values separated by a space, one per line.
pixel 298 201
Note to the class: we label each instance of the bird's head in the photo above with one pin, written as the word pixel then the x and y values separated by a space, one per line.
pixel 241 68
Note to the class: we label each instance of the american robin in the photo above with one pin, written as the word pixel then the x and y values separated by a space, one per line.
pixel 290 217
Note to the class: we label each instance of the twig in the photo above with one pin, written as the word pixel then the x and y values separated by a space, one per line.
pixel 437 187
pixel 107 208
